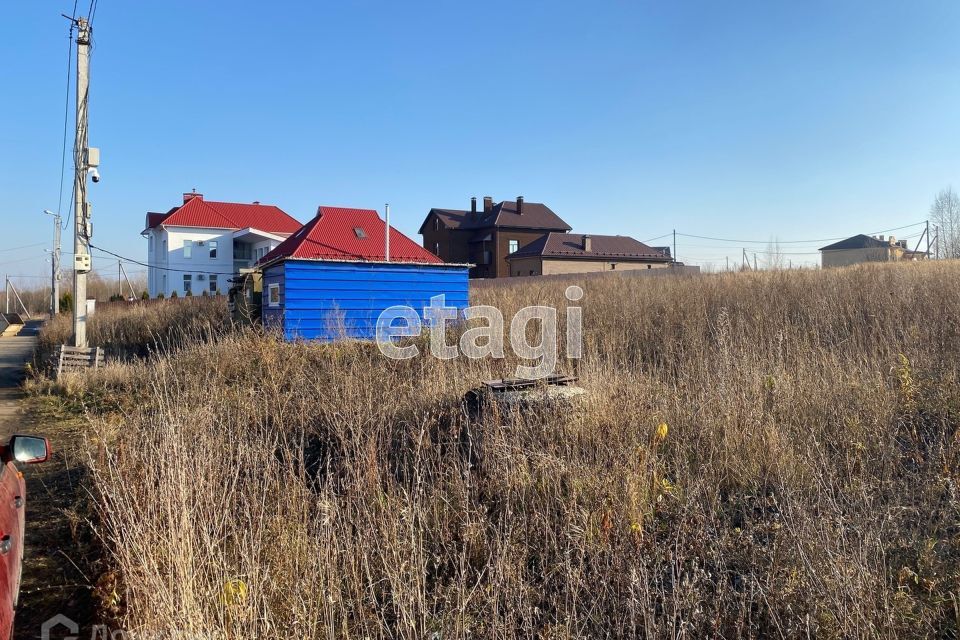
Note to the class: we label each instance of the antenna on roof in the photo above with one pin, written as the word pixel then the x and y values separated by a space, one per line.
pixel 386 240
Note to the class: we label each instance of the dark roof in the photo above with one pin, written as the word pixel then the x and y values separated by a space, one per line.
pixel 344 234
pixel 570 245
pixel 200 213
pixel 860 241
pixel 503 214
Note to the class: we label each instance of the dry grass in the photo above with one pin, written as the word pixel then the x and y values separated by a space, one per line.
pixel 807 485
pixel 135 329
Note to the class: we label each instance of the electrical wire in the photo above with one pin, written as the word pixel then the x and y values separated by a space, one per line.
pixel 26 246
pixel 690 235
pixel 666 235
pixel 66 119
pixel 159 268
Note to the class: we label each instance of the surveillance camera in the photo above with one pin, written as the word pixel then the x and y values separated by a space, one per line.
pixel 94 174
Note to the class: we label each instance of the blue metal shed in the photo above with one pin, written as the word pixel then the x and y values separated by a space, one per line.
pixel 331 279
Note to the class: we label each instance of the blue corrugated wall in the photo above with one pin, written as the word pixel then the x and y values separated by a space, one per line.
pixel 331 300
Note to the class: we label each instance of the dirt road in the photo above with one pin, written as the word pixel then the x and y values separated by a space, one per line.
pixel 52 583
pixel 15 351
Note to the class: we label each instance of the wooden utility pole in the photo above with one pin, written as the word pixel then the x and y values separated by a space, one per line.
pixel 81 209
pixel 674 245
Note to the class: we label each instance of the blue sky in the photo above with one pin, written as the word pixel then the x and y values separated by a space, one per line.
pixel 795 120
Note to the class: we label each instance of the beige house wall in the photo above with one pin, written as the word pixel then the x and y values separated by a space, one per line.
pixel 847 257
pixel 553 266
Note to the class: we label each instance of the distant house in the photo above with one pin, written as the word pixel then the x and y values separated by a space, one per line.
pixel 197 246
pixel 332 278
pixel 864 248
pixel 485 237
pixel 557 253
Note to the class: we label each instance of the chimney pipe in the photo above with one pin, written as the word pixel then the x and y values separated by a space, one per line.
pixel 487 204
pixel 473 205
pixel 519 205
pixel 880 238
pixel 386 240
pixel 587 243
pixel 187 197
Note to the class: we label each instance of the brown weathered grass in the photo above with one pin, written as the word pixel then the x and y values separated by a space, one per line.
pixel 807 485
pixel 135 329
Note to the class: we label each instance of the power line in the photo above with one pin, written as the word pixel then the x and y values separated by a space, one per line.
pixel 666 235
pixel 26 246
pixel 144 264
pixel 690 235
pixel 66 115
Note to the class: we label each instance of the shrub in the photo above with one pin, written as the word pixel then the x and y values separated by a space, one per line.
pixel 66 303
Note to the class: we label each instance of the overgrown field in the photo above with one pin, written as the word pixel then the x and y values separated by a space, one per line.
pixel 806 483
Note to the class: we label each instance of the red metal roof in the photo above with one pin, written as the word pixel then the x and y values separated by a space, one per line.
pixel 198 212
pixel 340 233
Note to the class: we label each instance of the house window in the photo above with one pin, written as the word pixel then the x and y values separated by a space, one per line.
pixel 241 250
pixel 213 249
pixel 514 245
pixel 436 224
pixel 436 248
pixel 649 266
pixel 164 246
pixel 187 283
pixel 273 295
pixel 360 233
pixel 213 284
pixel 187 248
pixel 150 242
pixel 613 266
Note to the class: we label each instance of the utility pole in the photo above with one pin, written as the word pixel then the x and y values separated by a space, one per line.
pixel 928 239
pixel 84 159
pixel 55 265
pixel 6 290
pixel 755 261
pixel 728 263
pixel 674 245
pixel 133 294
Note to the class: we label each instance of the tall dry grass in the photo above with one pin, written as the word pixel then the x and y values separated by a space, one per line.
pixel 806 486
pixel 135 329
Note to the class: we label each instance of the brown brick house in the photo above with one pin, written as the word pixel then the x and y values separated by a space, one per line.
pixel 557 253
pixel 484 237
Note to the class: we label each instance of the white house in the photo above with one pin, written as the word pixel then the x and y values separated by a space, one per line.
pixel 200 245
